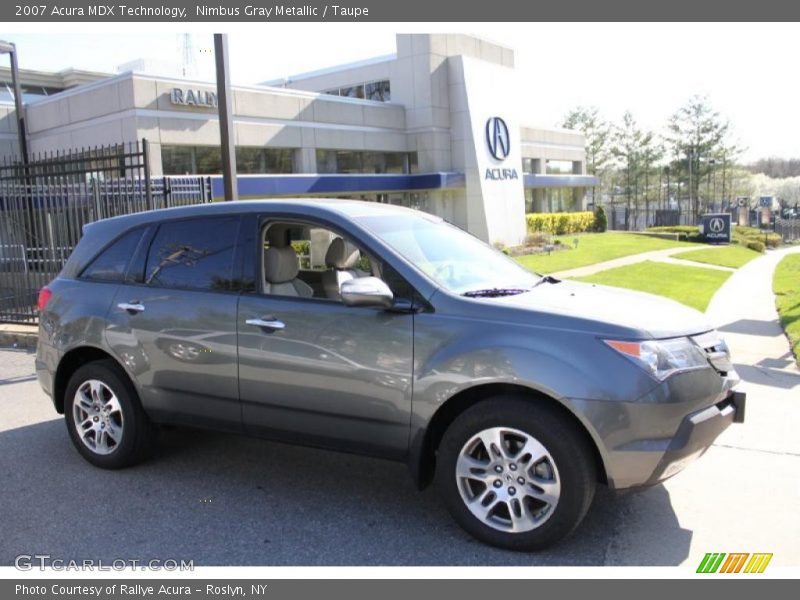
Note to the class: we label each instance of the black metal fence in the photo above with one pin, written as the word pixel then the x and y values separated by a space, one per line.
pixel 45 203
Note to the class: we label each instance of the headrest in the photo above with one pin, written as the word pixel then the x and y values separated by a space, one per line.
pixel 341 255
pixel 280 264
pixel 278 236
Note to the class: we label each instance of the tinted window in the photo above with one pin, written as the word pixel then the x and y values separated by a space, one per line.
pixel 195 254
pixel 111 263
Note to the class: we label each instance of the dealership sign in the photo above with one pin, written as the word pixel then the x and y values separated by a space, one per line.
pixel 716 227
pixel 498 142
pixel 189 97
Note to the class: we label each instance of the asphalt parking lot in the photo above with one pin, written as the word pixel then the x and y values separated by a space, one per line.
pixel 226 500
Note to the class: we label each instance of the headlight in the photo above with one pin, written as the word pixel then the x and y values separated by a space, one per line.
pixel 662 358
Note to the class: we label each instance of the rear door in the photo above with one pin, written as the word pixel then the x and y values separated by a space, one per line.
pixel 173 322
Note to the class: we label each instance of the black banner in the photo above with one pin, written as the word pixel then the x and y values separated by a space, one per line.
pixel 185 11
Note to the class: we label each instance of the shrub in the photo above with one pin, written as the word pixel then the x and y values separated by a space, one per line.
pixel 537 238
pixel 560 223
pixel 755 245
pixel 685 233
pixel 600 219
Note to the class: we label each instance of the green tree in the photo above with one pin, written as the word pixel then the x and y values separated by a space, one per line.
pixel 696 137
pixel 597 132
pixel 631 146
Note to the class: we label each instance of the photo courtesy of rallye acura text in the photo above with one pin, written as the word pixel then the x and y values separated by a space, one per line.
pixel 386 331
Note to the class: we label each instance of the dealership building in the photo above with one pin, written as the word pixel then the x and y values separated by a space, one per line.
pixel 440 125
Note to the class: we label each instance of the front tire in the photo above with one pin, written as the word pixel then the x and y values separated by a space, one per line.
pixel 515 474
pixel 105 420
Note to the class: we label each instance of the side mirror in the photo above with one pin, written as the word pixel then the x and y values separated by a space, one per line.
pixel 366 291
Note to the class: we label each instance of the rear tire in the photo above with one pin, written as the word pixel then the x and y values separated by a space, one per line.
pixel 515 474
pixel 104 417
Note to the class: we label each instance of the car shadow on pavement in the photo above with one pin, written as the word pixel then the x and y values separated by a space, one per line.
pixel 222 499
pixel 762 374
pixel 751 327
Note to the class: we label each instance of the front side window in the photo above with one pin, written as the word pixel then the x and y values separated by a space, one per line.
pixel 195 254
pixel 111 263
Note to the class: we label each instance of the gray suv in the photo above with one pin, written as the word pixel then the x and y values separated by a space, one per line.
pixel 385 331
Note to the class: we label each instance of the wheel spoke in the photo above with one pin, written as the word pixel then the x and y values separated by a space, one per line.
pixel 492 440
pixel 84 399
pixel 114 433
pixel 483 505
pixel 86 424
pixel 472 468
pixel 521 518
pixel 543 490
pixel 112 405
pixel 97 391
pixel 533 449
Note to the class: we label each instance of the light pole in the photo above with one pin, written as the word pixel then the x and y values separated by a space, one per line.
pixel 713 175
pixel 10 49
pixel 225 117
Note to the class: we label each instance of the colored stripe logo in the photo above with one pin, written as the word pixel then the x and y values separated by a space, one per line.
pixel 735 562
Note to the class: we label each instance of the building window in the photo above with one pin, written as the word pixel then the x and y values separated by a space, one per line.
pixel 377 91
pixel 264 160
pixel 207 160
pixel 355 91
pixel 559 167
pixel 353 161
pixel 531 165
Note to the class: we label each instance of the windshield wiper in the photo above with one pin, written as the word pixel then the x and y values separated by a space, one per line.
pixel 546 279
pixel 494 292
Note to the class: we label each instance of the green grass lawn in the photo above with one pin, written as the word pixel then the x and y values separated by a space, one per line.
pixel 692 286
pixel 733 256
pixel 594 248
pixel 786 285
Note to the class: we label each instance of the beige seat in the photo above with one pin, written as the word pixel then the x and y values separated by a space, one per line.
pixel 341 259
pixel 281 266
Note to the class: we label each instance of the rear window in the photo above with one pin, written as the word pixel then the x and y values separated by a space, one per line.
pixel 196 254
pixel 111 263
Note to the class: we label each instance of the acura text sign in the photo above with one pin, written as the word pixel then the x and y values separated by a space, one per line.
pixel 716 227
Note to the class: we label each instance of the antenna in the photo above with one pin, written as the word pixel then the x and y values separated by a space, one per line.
pixel 188 63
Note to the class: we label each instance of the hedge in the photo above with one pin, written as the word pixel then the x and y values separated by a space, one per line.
pixel 560 223
pixel 741 235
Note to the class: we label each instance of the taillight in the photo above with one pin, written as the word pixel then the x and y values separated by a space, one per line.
pixel 44 297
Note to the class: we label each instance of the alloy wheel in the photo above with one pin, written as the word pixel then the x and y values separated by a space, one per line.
pixel 508 479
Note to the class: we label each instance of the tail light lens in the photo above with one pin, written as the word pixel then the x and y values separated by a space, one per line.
pixel 44 297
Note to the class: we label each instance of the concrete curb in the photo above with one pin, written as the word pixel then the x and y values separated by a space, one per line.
pixel 24 337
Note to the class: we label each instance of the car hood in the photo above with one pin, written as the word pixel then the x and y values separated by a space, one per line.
pixel 653 315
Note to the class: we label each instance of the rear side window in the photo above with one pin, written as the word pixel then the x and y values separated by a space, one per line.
pixel 196 254
pixel 111 263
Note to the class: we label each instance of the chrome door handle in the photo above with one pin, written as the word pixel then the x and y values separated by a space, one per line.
pixel 269 324
pixel 133 307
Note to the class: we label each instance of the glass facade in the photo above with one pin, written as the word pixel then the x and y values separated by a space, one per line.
pixel 354 161
pixel 564 199
pixel 559 167
pixel 378 91
pixel 207 160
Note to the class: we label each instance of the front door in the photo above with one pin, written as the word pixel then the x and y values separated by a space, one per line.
pixel 320 372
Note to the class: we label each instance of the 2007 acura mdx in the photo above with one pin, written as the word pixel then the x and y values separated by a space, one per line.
pixel 385 331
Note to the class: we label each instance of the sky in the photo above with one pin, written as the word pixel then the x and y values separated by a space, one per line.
pixel 747 71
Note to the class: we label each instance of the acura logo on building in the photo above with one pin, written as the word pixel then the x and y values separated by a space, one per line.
pixel 716 225
pixel 497 138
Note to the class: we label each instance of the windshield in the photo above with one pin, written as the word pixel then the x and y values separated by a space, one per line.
pixel 455 259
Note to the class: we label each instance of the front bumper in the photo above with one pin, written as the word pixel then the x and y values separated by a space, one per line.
pixel 696 434
pixel 647 441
